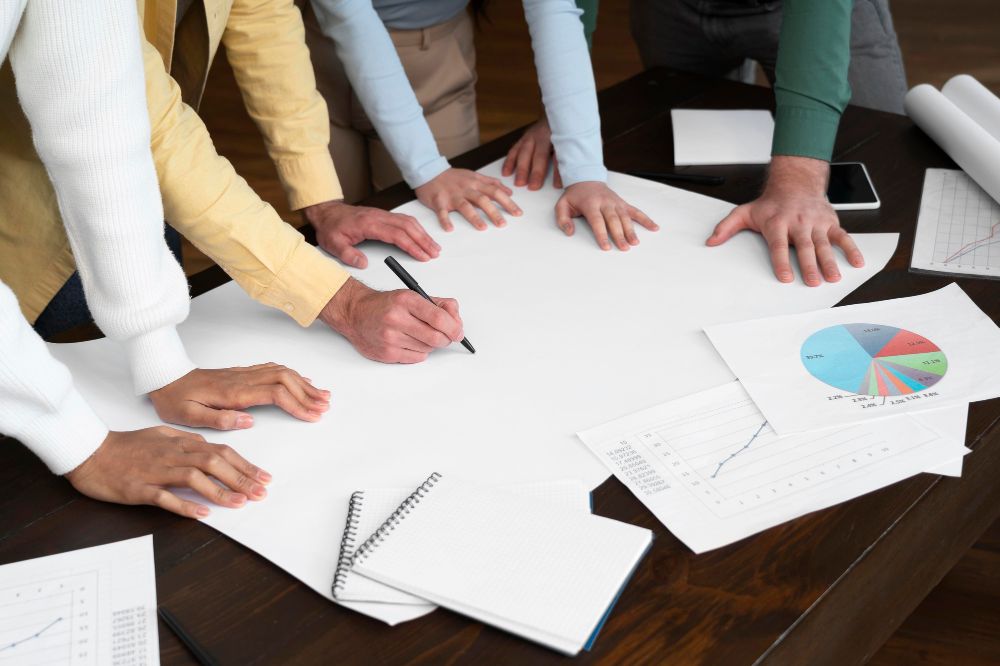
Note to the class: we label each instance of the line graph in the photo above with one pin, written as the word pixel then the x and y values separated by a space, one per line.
pixel 741 450
pixel 11 646
pixel 50 621
pixel 969 247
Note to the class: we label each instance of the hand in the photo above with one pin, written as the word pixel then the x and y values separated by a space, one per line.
pixel 137 468
pixel 392 326
pixel 529 158
pixel 606 212
pixel 210 398
pixel 464 190
pixel 339 227
pixel 793 210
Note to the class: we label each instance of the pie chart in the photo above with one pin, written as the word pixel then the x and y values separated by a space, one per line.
pixel 873 359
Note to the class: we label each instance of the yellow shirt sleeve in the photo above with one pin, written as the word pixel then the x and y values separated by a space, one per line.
pixel 205 199
pixel 265 45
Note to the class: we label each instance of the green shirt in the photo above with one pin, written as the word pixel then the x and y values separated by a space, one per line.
pixel 811 88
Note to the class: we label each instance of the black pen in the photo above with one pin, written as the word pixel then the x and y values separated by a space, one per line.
pixel 203 657
pixel 412 285
pixel 699 178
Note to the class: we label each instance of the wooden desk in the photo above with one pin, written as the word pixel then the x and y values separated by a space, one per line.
pixel 826 588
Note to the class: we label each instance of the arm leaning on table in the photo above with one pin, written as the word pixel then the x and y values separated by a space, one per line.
pixel 265 45
pixel 811 92
pixel 207 201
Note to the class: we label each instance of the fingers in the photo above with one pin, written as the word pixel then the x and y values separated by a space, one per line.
pixel 165 499
pixel 847 245
pixel 194 478
pixel 556 176
pixel 599 227
pixel 279 396
pixel 511 160
pixel 197 415
pixel 523 162
pixel 615 227
pixel 564 216
pixel 643 219
pixel 737 220
pixel 444 218
pixel 776 236
pixel 825 256
pixel 450 305
pixel 351 256
pixel 308 395
pixel 501 194
pixel 432 323
pixel 414 239
pixel 486 205
pixel 468 211
pixel 805 250
pixel 539 165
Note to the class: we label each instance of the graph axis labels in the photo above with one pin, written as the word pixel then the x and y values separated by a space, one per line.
pixel 873 359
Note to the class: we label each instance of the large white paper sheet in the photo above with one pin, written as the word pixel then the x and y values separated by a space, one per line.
pixel 566 335
pixel 714 136
pixel 712 470
pixel 860 362
pixel 89 606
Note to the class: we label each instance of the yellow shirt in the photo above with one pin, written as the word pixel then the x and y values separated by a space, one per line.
pixel 203 197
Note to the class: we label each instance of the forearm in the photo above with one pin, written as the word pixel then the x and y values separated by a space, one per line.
pixel 38 404
pixel 79 77
pixel 378 79
pixel 568 89
pixel 811 88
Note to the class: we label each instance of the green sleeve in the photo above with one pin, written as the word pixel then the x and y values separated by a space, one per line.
pixel 811 88
pixel 589 19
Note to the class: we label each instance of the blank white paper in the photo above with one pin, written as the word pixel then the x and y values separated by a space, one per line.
pixel 566 334
pixel 712 136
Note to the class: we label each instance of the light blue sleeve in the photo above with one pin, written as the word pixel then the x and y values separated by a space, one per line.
pixel 568 90
pixel 377 75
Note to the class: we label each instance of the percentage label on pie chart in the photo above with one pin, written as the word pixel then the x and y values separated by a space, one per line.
pixel 873 359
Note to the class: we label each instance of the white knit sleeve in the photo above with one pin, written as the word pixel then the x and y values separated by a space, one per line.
pixel 79 75
pixel 38 404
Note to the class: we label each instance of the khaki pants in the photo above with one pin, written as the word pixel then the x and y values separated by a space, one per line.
pixel 440 63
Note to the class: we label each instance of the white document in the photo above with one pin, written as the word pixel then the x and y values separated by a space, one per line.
pixel 958 230
pixel 538 570
pixel 713 472
pixel 964 120
pixel 369 509
pixel 860 362
pixel 712 136
pixel 90 606
pixel 566 335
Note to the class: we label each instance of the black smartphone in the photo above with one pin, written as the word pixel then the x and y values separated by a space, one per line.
pixel 851 188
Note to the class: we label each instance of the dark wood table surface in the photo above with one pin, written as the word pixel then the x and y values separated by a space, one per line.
pixel 830 587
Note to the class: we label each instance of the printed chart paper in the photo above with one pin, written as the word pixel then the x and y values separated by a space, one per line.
pixel 566 335
pixel 958 230
pixel 860 362
pixel 712 470
pixel 92 606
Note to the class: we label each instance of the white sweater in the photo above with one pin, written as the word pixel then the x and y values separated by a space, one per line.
pixel 79 76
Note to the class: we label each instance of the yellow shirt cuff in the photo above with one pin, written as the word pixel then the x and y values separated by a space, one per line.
pixel 309 179
pixel 306 283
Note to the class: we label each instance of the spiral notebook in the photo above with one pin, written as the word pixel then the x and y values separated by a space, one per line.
pixel 368 509
pixel 532 568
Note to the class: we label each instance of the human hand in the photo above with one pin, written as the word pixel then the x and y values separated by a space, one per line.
pixel 138 467
pixel 211 398
pixel 392 326
pixel 339 227
pixel 606 212
pixel 529 158
pixel 793 210
pixel 464 191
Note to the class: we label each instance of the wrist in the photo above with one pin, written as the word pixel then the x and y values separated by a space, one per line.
pixel 338 313
pixel 799 175
pixel 317 213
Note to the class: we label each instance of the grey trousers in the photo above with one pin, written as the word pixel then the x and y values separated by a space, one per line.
pixel 720 37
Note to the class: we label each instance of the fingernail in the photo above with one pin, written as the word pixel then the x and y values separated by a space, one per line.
pixel 358 262
pixel 258 491
pixel 326 393
pixel 203 511
pixel 264 476
pixel 237 498
pixel 785 277
pixel 244 421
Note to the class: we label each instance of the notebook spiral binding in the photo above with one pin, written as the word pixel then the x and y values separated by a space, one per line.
pixel 392 521
pixel 347 543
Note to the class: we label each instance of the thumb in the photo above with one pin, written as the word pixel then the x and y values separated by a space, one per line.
pixel 197 415
pixel 351 256
pixel 564 217
pixel 732 224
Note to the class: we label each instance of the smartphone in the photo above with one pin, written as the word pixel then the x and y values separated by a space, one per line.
pixel 851 188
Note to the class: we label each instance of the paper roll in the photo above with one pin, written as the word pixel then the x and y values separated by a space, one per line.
pixel 952 128
pixel 976 101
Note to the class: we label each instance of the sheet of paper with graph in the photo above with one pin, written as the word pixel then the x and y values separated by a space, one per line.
pixel 958 230
pixel 713 472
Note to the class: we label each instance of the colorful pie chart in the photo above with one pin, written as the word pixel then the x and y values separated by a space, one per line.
pixel 873 359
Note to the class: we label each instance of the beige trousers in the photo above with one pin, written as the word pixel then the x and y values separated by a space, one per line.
pixel 440 63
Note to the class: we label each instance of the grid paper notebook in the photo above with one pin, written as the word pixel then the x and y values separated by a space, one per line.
pixel 368 509
pixel 532 568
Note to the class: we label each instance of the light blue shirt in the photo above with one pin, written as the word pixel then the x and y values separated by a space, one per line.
pixel 414 15
pixel 565 77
